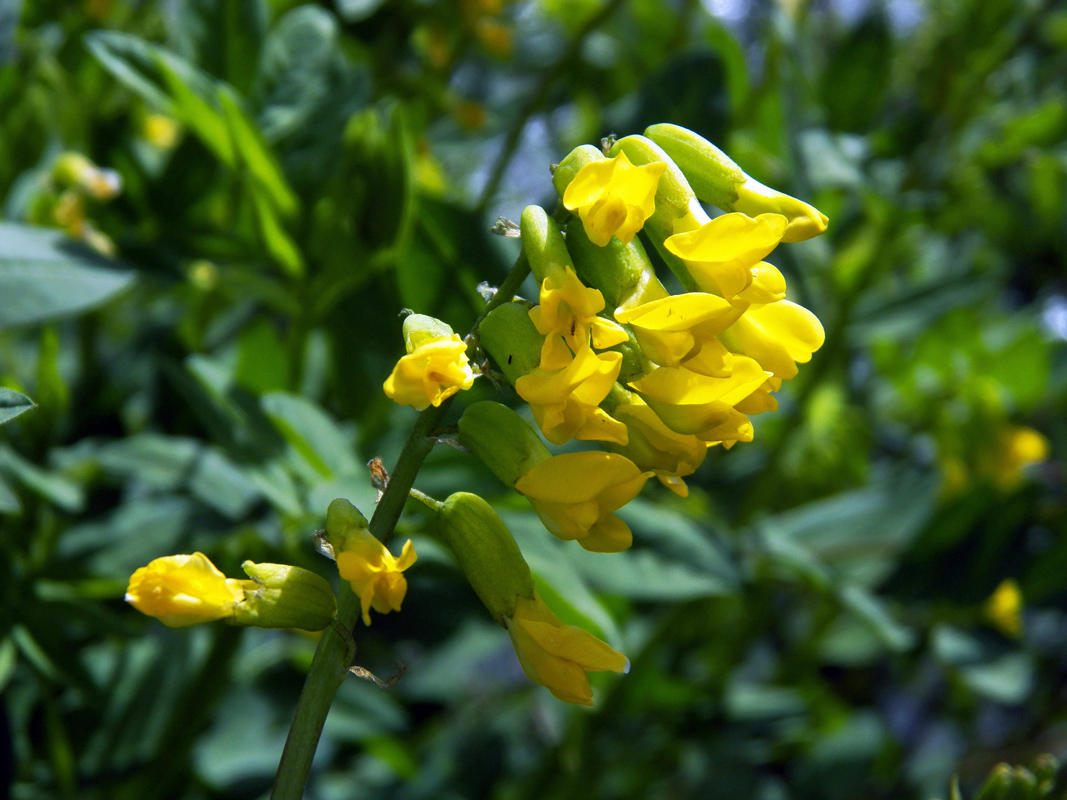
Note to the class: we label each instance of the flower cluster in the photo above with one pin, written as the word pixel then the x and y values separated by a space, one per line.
pixel 609 355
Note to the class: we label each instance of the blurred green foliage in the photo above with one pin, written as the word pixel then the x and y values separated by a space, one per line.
pixel 206 366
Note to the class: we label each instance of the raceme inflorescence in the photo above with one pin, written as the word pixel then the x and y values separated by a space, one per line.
pixel 607 355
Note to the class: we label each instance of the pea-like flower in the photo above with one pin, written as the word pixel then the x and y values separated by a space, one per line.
pixel 720 253
pixel 566 402
pixel 567 318
pixel 375 574
pixel 777 335
pixel 690 403
pixel 670 330
pixel 575 495
pixel 185 590
pixel 435 368
pixel 613 197
pixel 653 446
pixel 559 656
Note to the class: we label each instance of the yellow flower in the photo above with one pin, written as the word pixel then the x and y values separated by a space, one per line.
pixel 558 656
pixel 654 446
pixel 778 335
pixel 375 574
pixel 1004 608
pixel 720 254
pixel 690 403
pixel 613 197
pixel 804 220
pixel 672 329
pixel 1016 448
pixel 567 317
pixel 565 402
pixel 575 494
pixel 185 590
pixel 434 370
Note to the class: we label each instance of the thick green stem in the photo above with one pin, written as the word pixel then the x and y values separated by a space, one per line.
pixel 329 668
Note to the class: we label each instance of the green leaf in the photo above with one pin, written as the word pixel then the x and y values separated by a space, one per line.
pixel 54 488
pixel 12 404
pixel 46 275
pixel 9 501
pixel 311 432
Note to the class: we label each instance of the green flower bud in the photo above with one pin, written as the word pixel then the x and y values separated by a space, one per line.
pixel 509 336
pixel 420 329
pixel 282 596
pixel 997 785
pixel 501 439
pixel 716 179
pixel 343 522
pixel 572 165
pixel 543 243
pixel 622 272
pixel 486 552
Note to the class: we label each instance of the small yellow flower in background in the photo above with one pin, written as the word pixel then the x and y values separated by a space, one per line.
pixel 185 590
pixel 720 254
pixel 566 402
pixel 376 575
pixel 690 403
pixel 1004 608
pixel 567 318
pixel 558 656
pixel 435 368
pixel 575 494
pixel 613 197
pixel 161 131
pixel 653 446
pixel 1016 448
pixel 777 335
pixel 672 329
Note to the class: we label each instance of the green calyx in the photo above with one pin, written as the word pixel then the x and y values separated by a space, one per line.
pixel 711 173
pixel 486 552
pixel 622 272
pixel 501 439
pixel 420 329
pixel 509 336
pixel 285 597
pixel 342 520
pixel 543 243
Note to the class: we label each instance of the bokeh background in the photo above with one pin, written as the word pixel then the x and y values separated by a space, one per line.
pixel 820 619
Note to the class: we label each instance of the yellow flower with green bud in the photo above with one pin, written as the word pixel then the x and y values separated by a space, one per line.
pixel 613 197
pixel 552 654
pixel 185 590
pixel 375 575
pixel 435 368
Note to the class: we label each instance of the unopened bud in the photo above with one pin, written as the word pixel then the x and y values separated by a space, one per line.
pixel 501 439
pixel 285 597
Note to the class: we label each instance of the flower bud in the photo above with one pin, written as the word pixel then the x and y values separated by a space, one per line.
pixel 486 553
pixel 543 243
pixel 435 368
pixel 622 272
pixel 283 596
pixel 716 179
pixel 501 439
pixel 343 522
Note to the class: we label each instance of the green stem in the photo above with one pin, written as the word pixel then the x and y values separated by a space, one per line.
pixel 329 667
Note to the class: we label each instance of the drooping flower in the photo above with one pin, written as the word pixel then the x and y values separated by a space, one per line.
pixel 613 197
pixel 435 368
pixel 690 403
pixel 566 402
pixel 720 253
pixel 653 446
pixel 185 590
pixel 375 574
pixel 575 495
pixel 567 318
pixel 558 656
pixel 777 335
